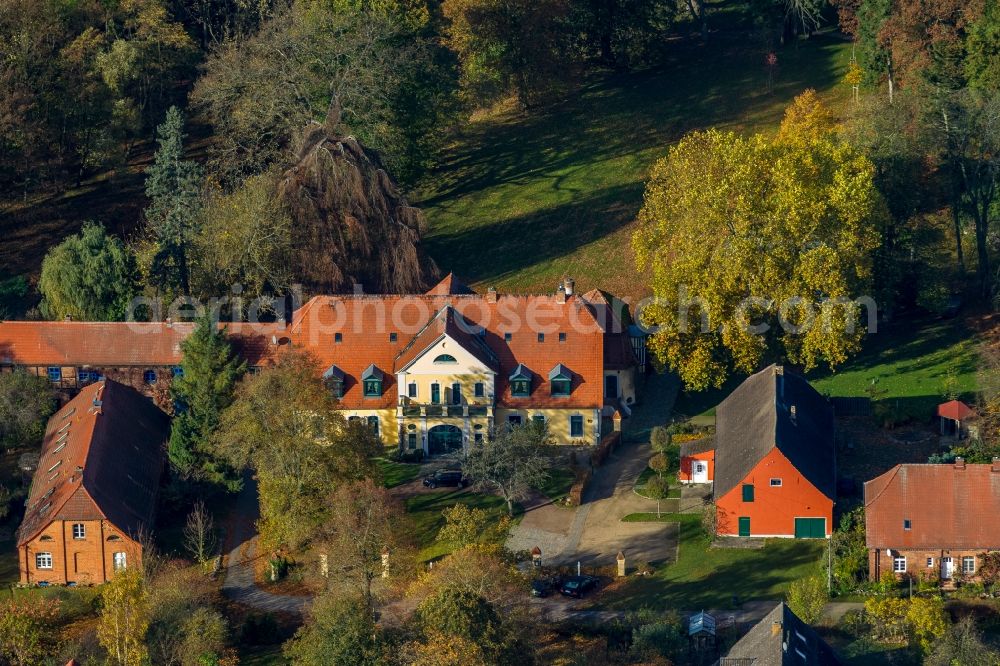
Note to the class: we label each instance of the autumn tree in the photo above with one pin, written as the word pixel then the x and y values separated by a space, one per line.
pixel 174 187
pixel 364 521
pixel 807 597
pixel 200 538
pixel 124 618
pixel 507 47
pixel 26 402
pixel 481 569
pixel 757 248
pixel 27 630
pixel 466 616
pixel 184 628
pixel 339 630
pixel 511 461
pixel 391 91
pixel 90 276
pixel 469 526
pixel 243 238
pixel 927 621
pixel 657 488
pixel 887 616
pixel 203 389
pixel 962 644
pixel 284 424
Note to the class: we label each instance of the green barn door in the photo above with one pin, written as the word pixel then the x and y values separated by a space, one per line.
pixel 744 526
pixel 810 528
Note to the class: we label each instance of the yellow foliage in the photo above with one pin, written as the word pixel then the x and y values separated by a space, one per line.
pixel 742 233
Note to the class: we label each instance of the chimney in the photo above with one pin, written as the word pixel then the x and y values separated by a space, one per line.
pixel 960 462
pixel 561 294
pixel 569 284
pixel 274 340
pixel 776 628
pixel 170 322
pixel 995 467
pixel 68 318
pixel 491 295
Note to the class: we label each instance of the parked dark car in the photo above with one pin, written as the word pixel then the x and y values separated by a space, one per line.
pixel 578 586
pixel 543 587
pixel 446 477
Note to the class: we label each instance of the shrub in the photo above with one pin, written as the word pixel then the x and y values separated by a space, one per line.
pixel 926 622
pixel 659 438
pixel 807 597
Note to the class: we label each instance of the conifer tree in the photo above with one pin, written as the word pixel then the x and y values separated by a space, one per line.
pixel 204 388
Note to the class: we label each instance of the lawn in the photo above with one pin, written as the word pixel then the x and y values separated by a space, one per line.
pixel 709 578
pixel 424 511
pixel 8 563
pixel 523 198
pixel 915 361
pixel 556 486
pixel 396 473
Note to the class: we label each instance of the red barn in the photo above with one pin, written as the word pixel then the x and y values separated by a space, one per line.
pixel 95 488
pixel 775 462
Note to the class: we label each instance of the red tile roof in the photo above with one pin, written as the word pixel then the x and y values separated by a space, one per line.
pixel 448 323
pixel 96 344
pixel 102 456
pixel 956 410
pixel 449 285
pixel 947 506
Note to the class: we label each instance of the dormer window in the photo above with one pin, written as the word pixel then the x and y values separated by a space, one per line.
pixel 561 381
pixel 446 359
pixel 371 379
pixel 520 382
pixel 334 380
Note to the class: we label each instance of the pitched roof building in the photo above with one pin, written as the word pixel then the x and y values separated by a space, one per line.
pixel 932 520
pixel 95 488
pixel 563 358
pixel 781 639
pixel 775 466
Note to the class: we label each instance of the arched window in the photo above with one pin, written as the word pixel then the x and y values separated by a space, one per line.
pixel 445 358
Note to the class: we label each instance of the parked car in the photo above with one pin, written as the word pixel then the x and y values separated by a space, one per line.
pixel 446 477
pixel 543 587
pixel 578 586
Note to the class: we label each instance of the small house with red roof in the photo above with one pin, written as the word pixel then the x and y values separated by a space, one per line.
pixel 95 489
pixel 954 416
pixel 932 521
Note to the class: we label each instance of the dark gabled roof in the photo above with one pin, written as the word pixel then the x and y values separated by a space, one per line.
pixel 447 322
pixel 775 408
pixel 781 639
pixel 104 448
pixel 560 372
pixel 964 513
pixel 694 446
pixel 372 372
pixel 521 372
pixel 334 373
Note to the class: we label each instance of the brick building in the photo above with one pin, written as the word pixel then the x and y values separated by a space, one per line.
pixel 95 488
pixel 775 461
pixel 932 521
pixel 433 371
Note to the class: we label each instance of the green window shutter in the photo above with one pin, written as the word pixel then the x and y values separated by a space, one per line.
pixel 748 492
pixel 744 524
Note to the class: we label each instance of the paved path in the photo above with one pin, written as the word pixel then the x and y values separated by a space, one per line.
pixel 241 539
pixel 594 532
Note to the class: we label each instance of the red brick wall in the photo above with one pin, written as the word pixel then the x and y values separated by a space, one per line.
pixel 85 561
pixel 880 562
pixel 774 509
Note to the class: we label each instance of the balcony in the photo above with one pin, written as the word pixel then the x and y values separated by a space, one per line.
pixel 411 409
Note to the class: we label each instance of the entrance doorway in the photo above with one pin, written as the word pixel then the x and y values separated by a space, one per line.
pixel 443 438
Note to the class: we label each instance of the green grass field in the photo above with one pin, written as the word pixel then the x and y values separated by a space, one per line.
pixel 396 473
pixel 705 577
pixel 558 483
pixel 524 198
pixel 916 362
pixel 424 511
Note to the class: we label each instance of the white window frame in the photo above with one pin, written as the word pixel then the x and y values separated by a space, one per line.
pixel 79 531
pixel 965 559
pixel 119 560
pixel 43 561
pixel 896 562
pixel 776 485
pixel 930 562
